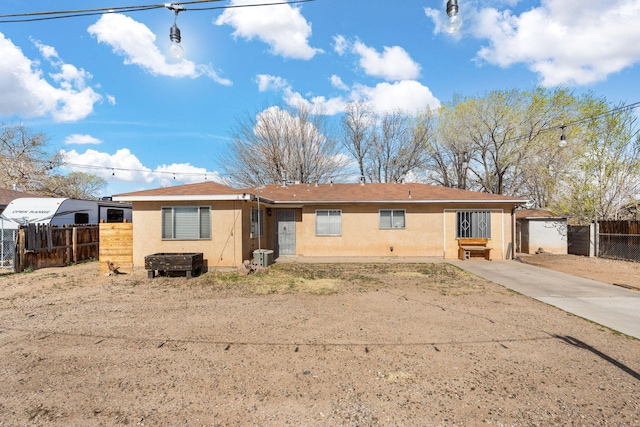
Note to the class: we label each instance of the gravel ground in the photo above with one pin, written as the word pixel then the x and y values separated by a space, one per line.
pixel 304 345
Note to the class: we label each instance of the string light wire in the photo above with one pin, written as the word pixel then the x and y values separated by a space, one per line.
pixel 74 13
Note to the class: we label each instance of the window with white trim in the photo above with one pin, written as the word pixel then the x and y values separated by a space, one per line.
pixel 328 222
pixel 392 218
pixel 257 222
pixel 475 224
pixel 186 223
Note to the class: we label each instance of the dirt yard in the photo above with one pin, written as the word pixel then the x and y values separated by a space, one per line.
pixel 305 345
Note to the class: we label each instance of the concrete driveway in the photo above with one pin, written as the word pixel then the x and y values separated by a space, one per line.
pixel 609 305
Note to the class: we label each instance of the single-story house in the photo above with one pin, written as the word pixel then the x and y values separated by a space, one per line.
pixel 368 220
pixel 540 231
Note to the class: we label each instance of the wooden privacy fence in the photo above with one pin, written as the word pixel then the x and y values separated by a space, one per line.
pixel 42 245
pixel 116 247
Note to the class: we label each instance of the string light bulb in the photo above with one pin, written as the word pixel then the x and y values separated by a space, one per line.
pixel 175 50
pixel 453 22
pixel 563 138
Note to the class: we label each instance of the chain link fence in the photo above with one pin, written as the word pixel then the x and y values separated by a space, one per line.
pixel 620 246
pixel 7 248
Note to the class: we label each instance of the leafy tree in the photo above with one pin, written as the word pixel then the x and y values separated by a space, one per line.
pixel 283 143
pixel 24 160
pixel 75 185
pixel 499 143
pixel 605 176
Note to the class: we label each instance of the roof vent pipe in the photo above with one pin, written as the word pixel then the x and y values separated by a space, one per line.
pixel 361 179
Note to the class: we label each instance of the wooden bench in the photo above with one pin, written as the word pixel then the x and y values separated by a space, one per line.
pixel 467 246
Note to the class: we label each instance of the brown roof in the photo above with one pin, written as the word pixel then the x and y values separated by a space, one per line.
pixel 6 195
pixel 328 193
pixel 368 193
pixel 535 213
pixel 205 188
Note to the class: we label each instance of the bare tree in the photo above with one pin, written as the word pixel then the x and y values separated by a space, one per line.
pixel 278 143
pixel 358 125
pixel 387 146
pixel 25 162
pixel 76 185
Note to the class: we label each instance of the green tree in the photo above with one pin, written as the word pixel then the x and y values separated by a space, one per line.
pixel 605 175
pixel 498 143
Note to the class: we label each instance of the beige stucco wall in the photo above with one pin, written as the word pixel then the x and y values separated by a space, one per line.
pixel 361 235
pixel 225 248
pixel 548 234
pixel 249 244
pixel 501 230
pixel 430 231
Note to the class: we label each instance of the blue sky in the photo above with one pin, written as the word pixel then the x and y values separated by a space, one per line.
pixel 103 89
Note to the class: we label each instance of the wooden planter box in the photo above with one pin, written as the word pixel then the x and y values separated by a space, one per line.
pixel 165 263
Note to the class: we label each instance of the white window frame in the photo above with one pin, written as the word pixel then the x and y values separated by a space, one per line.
pixel 257 218
pixel 172 216
pixel 331 231
pixel 473 224
pixel 392 223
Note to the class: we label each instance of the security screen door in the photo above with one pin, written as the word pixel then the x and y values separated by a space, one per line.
pixel 285 232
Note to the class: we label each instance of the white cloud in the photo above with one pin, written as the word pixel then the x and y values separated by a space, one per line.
pixel 341 45
pixel 318 104
pixel 281 26
pixel 337 82
pixel 77 138
pixel 182 173
pixel 393 64
pixel 407 95
pixel 124 166
pixel 27 93
pixel 121 166
pixel 565 43
pixel 267 82
pixel 136 43
pixel 404 94
pixel 111 99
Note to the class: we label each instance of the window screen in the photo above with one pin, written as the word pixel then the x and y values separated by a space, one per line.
pixel 186 223
pixel 392 218
pixel 257 222
pixel 328 223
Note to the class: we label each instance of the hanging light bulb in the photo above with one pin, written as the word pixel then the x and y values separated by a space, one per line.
pixel 563 138
pixel 175 50
pixel 453 22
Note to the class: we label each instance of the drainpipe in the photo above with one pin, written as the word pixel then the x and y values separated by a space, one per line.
pixel 513 233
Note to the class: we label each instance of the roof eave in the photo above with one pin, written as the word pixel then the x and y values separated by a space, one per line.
pixel 335 202
pixel 183 198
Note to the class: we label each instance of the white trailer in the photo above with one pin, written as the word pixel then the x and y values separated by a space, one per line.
pixel 62 211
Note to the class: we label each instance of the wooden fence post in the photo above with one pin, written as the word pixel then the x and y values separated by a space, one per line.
pixel 74 239
pixel 18 257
